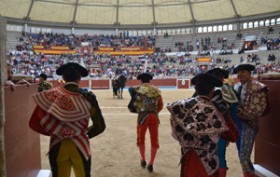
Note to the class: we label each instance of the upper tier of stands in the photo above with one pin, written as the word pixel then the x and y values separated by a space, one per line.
pixel 104 44
pixel 17 41
pixel 107 44
pixel 232 40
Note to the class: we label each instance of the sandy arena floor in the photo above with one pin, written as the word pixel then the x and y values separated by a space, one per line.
pixel 115 154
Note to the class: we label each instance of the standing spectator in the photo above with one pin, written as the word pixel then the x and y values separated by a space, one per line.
pixel 197 125
pixel 197 44
pixel 252 104
pixel 43 84
pixel 147 102
pixel 63 114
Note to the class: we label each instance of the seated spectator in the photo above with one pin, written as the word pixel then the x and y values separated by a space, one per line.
pixel 270 29
pixel 271 57
pixel 263 40
pixel 239 35
pixel 255 58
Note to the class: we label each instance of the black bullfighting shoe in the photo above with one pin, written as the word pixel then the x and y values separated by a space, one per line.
pixel 143 163
pixel 150 168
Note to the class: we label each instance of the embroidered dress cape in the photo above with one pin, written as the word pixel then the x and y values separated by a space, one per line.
pixel 64 114
pixel 146 99
pixel 197 125
pixel 254 104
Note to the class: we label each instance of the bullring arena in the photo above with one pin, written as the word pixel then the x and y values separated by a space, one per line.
pixel 172 39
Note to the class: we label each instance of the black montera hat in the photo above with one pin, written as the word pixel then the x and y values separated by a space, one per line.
pixel 218 72
pixel 83 71
pixel 145 76
pixel 44 76
pixel 206 79
pixel 247 67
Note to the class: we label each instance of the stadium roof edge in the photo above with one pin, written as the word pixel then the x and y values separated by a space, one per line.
pixel 31 22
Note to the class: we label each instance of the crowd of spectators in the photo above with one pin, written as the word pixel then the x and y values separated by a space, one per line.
pixel 204 46
pixel 27 63
pixel 271 43
pixel 73 41
pixel 24 43
pixel 54 39
pixel 162 50
pixel 105 66
pixel 184 48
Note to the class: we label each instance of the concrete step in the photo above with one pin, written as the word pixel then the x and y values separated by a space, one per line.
pixel 44 173
pixel 262 172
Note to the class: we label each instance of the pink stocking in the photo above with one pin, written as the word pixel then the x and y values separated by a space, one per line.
pixel 142 152
pixel 153 155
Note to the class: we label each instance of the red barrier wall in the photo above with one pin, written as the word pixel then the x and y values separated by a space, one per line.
pixel 267 146
pixel 105 84
pixel 183 83
pixel 131 83
pixel 156 82
pixel 83 83
pixel 97 84
pixel 54 83
pixel 100 84
pixel 22 145
pixel 164 82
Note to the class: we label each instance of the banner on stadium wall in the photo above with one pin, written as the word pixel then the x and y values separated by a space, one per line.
pixel 55 52
pixel 204 59
pixel 106 48
pixel 38 47
pixel 59 47
pixel 119 53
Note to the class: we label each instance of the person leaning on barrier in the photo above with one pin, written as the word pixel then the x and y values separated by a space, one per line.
pixel 9 81
pixel 63 113
pixel 253 103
